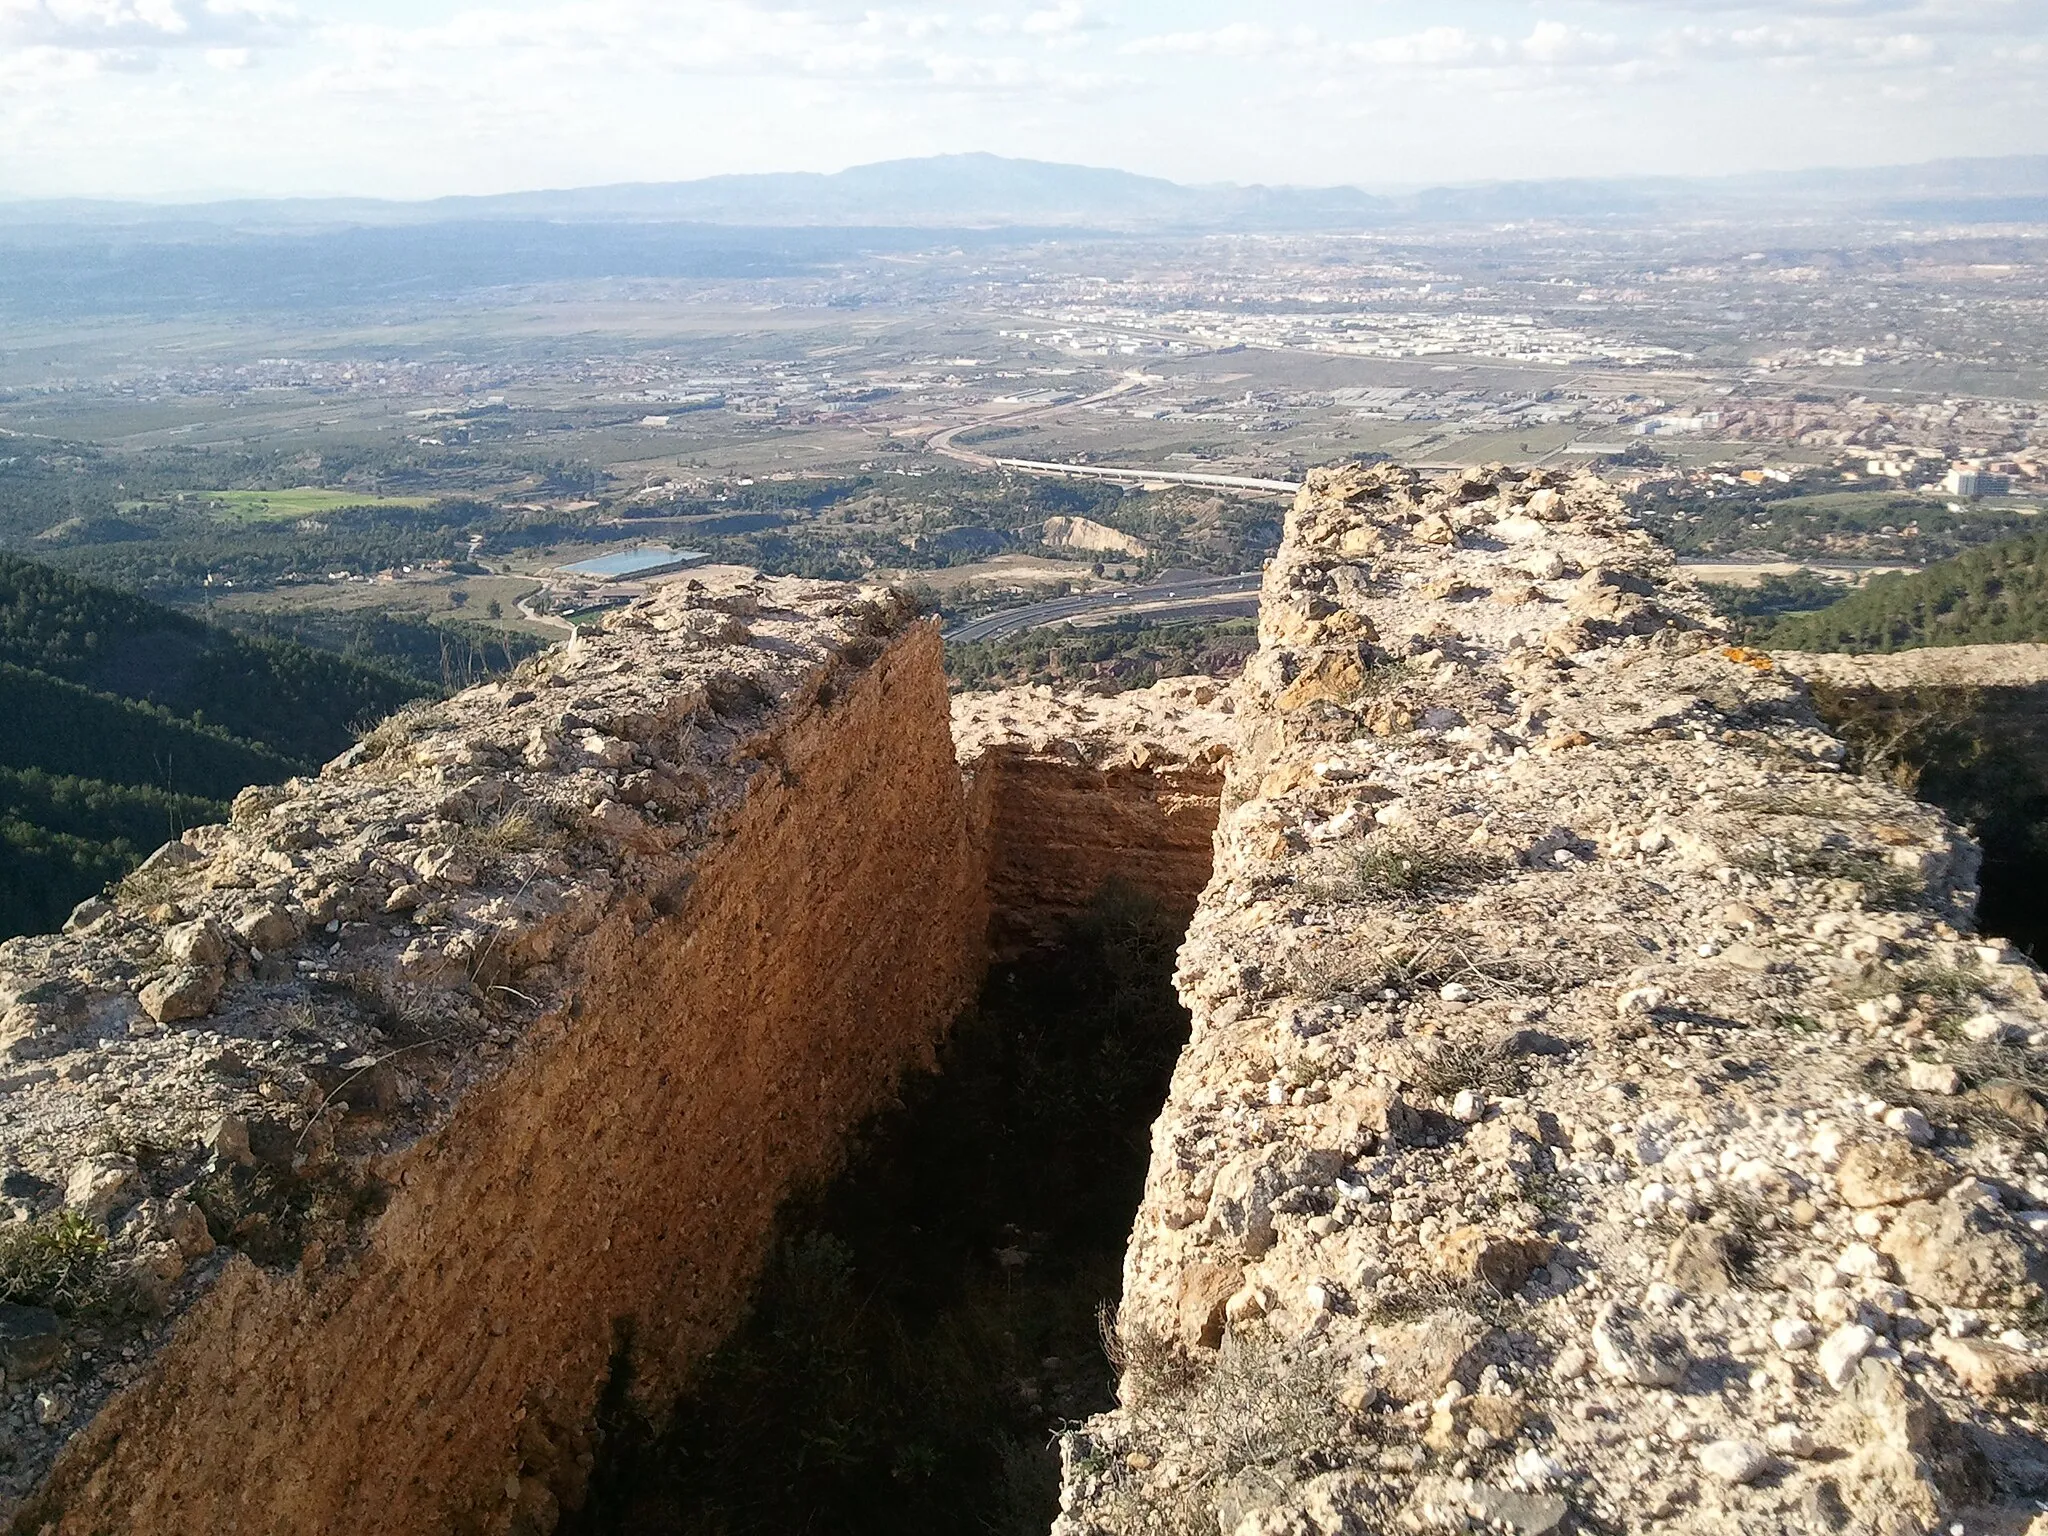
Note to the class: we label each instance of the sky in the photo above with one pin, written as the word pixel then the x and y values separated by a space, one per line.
pixel 411 98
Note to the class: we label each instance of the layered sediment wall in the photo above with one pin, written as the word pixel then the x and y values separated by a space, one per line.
pixel 1598 1114
pixel 1069 791
pixel 430 1097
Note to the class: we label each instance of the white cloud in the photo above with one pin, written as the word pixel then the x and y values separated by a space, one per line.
pixel 1236 40
pixel 94 25
pixel 1059 21
pixel 433 95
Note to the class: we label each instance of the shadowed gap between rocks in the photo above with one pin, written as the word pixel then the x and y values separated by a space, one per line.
pixel 1981 754
pixel 926 1323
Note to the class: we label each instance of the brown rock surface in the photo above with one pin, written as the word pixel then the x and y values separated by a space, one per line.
pixel 1069 790
pixel 1961 1255
pixel 535 1117
pixel 1891 1172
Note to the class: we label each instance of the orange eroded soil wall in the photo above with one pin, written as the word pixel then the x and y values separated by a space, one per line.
pixel 1051 833
pixel 614 1187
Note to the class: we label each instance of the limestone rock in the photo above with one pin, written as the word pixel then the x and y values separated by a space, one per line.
pixel 1915 1464
pixel 1526 1514
pixel 1842 1352
pixel 1993 1370
pixel 1451 1427
pixel 1334 676
pixel 1962 1256
pixel 1423 1357
pixel 99 1184
pixel 266 926
pixel 196 944
pixel 1938 1077
pixel 2015 1100
pixel 187 992
pixel 1880 1173
pixel 1631 1349
pixel 1241 1205
pixel 1734 1461
pixel 1204 1291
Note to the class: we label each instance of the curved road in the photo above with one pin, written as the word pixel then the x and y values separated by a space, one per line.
pixel 1202 597
pixel 942 441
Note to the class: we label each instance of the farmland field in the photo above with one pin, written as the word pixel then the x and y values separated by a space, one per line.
pixel 289 506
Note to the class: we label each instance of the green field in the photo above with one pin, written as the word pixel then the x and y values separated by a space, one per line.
pixel 1879 502
pixel 289 506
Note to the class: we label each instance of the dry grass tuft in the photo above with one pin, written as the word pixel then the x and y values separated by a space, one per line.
pixel 1396 867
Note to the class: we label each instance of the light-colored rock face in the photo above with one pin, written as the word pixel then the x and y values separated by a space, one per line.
pixel 405 1102
pixel 1592 1102
pixel 1086 533
pixel 1069 790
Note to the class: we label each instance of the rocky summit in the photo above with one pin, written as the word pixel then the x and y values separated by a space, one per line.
pixel 1599 1114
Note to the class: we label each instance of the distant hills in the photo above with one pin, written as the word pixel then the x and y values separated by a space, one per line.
pixel 985 191
pixel 127 722
pixel 64 260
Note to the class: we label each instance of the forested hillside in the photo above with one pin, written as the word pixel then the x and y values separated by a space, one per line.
pixel 1993 595
pixel 292 698
pixel 127 723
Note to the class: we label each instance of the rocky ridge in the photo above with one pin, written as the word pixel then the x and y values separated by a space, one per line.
pixel 1177 723
pixel 1599 1113
pixel 217 1080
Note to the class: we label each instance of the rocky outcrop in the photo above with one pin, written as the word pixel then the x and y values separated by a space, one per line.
pixel 362 1141
pixel 1068 791
pixel 1086 533
pixel 1598 1112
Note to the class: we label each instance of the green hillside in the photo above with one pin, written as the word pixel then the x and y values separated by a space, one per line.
pixel 128 722
pixel 62 838
pixel 292 698
pixel 1992 595
pixel 64 729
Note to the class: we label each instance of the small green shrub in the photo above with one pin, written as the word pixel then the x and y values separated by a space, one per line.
pixel 56 1261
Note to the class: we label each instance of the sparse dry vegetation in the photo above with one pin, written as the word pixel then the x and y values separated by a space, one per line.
pixel 1400 866
pixel 57 1261
pixel 1247 1419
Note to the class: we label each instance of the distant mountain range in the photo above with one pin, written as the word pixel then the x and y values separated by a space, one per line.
pixel 989 191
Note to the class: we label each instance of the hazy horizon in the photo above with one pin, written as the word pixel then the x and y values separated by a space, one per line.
pixel 182 100
pixel 201 197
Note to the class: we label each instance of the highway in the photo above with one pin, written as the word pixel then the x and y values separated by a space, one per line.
pixel 1202 597
pixel 1149 476
pixel 941 442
